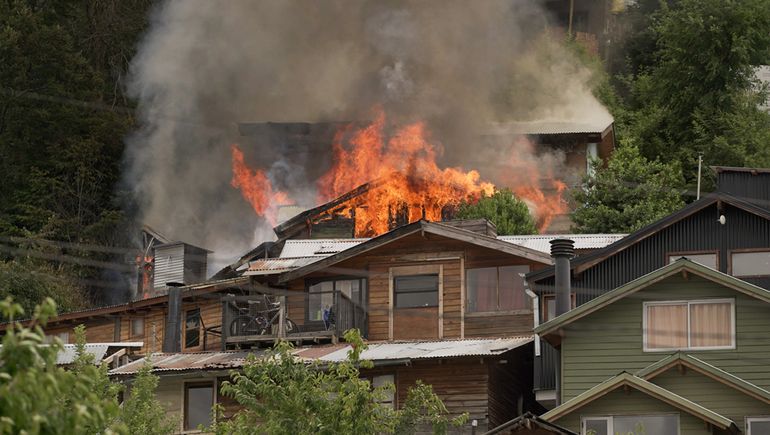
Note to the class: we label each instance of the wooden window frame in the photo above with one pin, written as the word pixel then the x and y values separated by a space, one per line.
pixel 759 418
pixel 497 312
pixel 744 251
pixel 544 304
pixel 196 384
pixel 131 327
pixel 689 302
pixel 715 252
pixel 438 290
pixel 200 328
pixel 364 290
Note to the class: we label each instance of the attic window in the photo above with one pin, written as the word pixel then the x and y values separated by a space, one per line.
pixel 702 325
pixel 496 289
pixel 667 424
pixel 750 264
pixel 708 259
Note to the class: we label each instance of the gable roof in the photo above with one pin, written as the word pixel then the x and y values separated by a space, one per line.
pixel 587 261
pixel 643 386
pixel 528 422
pixel 420 226
pixel 706 369
pixel 681 265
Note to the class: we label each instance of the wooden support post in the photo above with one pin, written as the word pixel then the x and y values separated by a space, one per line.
pixel 462 297
pixel 225 323
pixel 440 301
pixel 390 303
pixel 282 317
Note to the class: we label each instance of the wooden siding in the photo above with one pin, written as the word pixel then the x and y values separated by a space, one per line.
pixel 713 395
pixel 633 402
pixel 510 387
pixel 454 257
pixel 169 265
pixel 170 394
pixel 609 341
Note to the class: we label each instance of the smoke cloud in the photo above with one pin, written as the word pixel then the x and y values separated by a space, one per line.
pixel 205 67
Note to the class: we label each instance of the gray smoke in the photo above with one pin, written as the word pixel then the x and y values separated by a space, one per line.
pixel 206 66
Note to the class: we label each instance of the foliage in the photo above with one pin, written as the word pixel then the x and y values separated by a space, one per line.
pixel 62 65
pixel 697 93
pixel 627 194
pixel 508 213
pixel 28 283
pixel 276 389
pixel 142 413
pixel 37 396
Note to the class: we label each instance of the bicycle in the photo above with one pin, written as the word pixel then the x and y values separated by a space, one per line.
pixel 263 321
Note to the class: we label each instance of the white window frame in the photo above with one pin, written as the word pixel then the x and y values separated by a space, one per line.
pixel 607 418
pixel 757 419
pixel 688 303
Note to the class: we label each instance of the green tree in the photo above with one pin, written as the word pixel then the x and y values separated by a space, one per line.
pixel 508 213
pixel 627 194
pixel 39 397
pixel 142 413
pixel 276 389
pixel 29 283
pixel 698 94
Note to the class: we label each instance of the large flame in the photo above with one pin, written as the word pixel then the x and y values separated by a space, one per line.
pixel 256 188
pixel 405 183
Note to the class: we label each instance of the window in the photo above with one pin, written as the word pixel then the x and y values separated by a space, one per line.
pixel 705 324
pixel 631 424
pixel 549 306
pixel 416 291
pixel 63 336
pixel 198 401
pixel 496 289
pixel 708 259
pixel 137 327
pixel 756 263
pixel 321 295
pixel 192 328
pixel 757 425
pixel 381 381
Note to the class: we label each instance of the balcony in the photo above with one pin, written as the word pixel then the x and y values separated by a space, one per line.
pixel 300 317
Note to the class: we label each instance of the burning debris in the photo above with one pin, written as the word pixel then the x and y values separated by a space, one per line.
pixel 397 179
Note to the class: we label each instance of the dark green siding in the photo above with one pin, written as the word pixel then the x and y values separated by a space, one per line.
pixel 609 341
pixel 632 402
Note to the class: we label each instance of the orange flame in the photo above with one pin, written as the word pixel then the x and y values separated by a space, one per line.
pixel 406 183
pixel 256 188
pixel 403 167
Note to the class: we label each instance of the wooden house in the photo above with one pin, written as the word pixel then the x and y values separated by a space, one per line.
pixel 678 351
pixel 728 230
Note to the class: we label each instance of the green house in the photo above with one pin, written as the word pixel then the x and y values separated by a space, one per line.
pixel 682 350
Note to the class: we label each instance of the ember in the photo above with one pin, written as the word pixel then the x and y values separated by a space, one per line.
pixel 404 181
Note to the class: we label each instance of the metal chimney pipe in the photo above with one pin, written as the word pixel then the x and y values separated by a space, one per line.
pixel 172 335
pixel 562 250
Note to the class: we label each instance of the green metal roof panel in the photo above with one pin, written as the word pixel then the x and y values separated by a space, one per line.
pixel 682 264
pixel 655 391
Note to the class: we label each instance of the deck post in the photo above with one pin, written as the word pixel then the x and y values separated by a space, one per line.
pixel 282 317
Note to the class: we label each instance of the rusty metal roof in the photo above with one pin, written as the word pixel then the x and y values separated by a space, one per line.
pixel 177 362
pixel 376 352
pixel 68 353
pixel 541 242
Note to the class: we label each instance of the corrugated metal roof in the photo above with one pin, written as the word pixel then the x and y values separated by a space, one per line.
pixel 552 127
pixel 541 242
pixel 317 247
pixel 99 350
pixel 170 362
pixel 430 349
pixel 377 351
pixel 269 266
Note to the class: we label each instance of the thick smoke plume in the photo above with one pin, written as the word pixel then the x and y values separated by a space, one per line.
pixel 205 66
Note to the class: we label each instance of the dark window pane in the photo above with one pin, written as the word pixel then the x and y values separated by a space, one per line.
pixel 192 326
pixel 416 291
pixel 511 287
pixel 200 399
pixel 759 426
pixel 137 327
pixel 596 427
pixel 321 297
pixel 416 283
pixel 482 289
